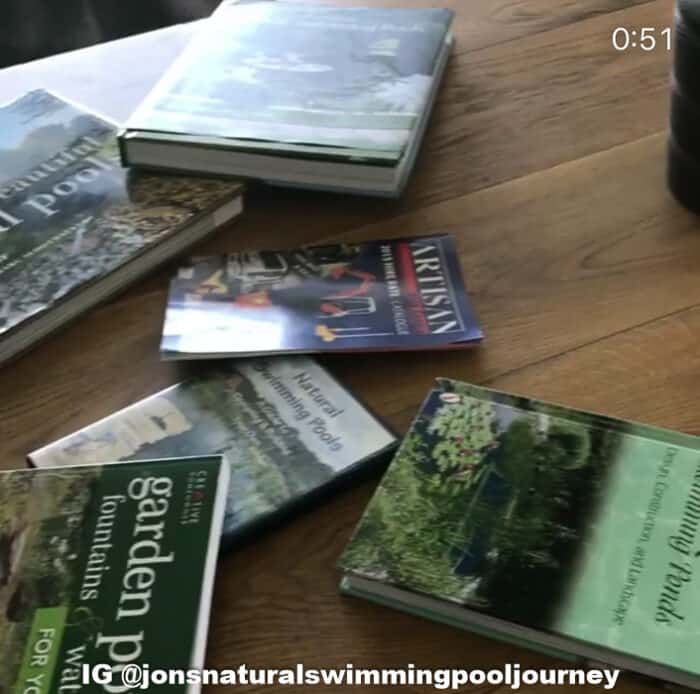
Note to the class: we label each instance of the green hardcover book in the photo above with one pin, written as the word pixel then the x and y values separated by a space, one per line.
pixel 560 530
pixel 92 560
pixel 75 227
pixel 315 96
pixel 289 430
pixel 392 294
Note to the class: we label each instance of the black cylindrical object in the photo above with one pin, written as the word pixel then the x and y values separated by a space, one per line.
pixel 684 144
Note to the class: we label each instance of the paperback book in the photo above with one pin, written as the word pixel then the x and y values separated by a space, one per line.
pixel 296 94
pixel 92 561
pixel 399 294
pixel 290 432
pixel 74 226
pixel 560 530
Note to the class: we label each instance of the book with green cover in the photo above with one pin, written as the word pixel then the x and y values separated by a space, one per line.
pixel 92 560
pixel 75 227
pixel 289 430
pixel 296 94
pixel 557 529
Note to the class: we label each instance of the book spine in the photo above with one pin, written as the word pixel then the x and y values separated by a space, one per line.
pixel 121 143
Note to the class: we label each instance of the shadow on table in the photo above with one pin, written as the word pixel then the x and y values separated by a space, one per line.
pixel 34 29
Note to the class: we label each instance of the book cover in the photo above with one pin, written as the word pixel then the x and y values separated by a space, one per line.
pixel 395 294
pixel 354 78
pixel 288 429
pixel 92 560
pixel 561 527
pixel 70 216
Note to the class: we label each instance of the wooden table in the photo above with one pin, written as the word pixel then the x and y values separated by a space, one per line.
pixel 545 159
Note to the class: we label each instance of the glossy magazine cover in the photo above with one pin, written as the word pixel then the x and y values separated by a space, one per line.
pixel 399 294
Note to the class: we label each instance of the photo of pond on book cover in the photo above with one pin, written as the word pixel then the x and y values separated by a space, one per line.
pixel 487 504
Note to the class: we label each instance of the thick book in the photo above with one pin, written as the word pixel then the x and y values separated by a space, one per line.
pixel 92 561
pixel 560 530
pixel 74 226
pixel 289 430
pixel 399 294
pixel 316 96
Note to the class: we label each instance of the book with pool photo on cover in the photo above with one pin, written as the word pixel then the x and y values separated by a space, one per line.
pixel 298 94
pixel 93 559
pixel 397 294
pixel 75 227
pixel 289 430
pixel 556 529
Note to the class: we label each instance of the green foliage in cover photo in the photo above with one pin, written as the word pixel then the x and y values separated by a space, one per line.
pixel 269 463
pixel 485 505
pixel 220 411
pixel 69 212
pixel 37 551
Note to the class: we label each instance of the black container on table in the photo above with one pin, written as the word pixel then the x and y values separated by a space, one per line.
pixel 684 144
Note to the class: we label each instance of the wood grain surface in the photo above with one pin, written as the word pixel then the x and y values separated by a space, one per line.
pixel 545 159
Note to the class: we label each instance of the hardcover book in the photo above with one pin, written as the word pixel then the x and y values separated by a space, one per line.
pixel 289 430
pixel 400 294
pixel 92 560
pixel 74 226
pixel 310 95
pixel 556 529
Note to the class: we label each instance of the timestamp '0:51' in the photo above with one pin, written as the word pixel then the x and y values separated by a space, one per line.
pixel 646 38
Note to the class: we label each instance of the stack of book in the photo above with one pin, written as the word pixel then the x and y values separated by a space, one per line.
pixel 121 519
pixel 560 530
pixel 326 97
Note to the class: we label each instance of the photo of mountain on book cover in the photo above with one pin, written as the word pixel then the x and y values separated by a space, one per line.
pixel 597 517
pixel 400 294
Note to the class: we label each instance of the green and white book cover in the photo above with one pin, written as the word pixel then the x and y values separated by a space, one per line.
pixel 92 561
pixel 536 523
